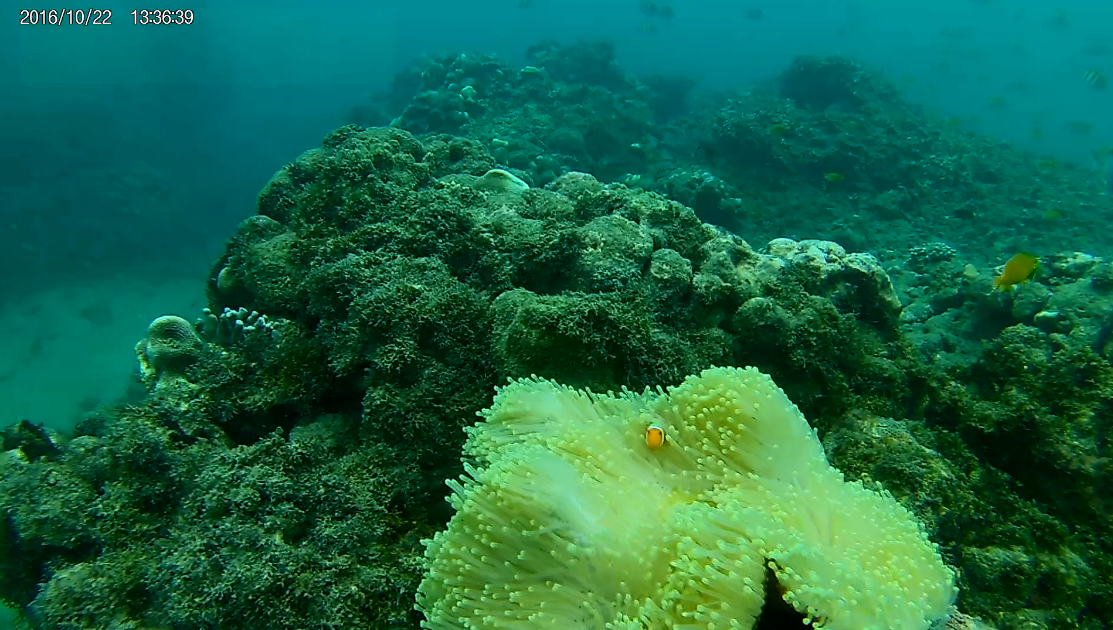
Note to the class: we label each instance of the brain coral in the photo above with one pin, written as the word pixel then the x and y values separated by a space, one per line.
pixel 569 519
pixel 171 346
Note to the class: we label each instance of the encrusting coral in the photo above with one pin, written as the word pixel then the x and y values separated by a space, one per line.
pixel 569 518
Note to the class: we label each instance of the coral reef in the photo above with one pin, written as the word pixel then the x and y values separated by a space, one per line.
pixel 404 300
pixel 572 108
pixel 830 150
pixel 162 526
pixel 284 481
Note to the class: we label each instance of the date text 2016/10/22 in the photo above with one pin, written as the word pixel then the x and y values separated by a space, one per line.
pixel 68 17
pixel 103 17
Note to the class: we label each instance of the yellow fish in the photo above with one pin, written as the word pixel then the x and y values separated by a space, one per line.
pixel 1020 268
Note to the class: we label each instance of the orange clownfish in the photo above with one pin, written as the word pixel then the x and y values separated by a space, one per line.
pixel 654 437
pixel 1019 269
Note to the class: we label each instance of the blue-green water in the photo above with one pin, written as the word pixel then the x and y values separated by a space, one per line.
pixel 934 141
